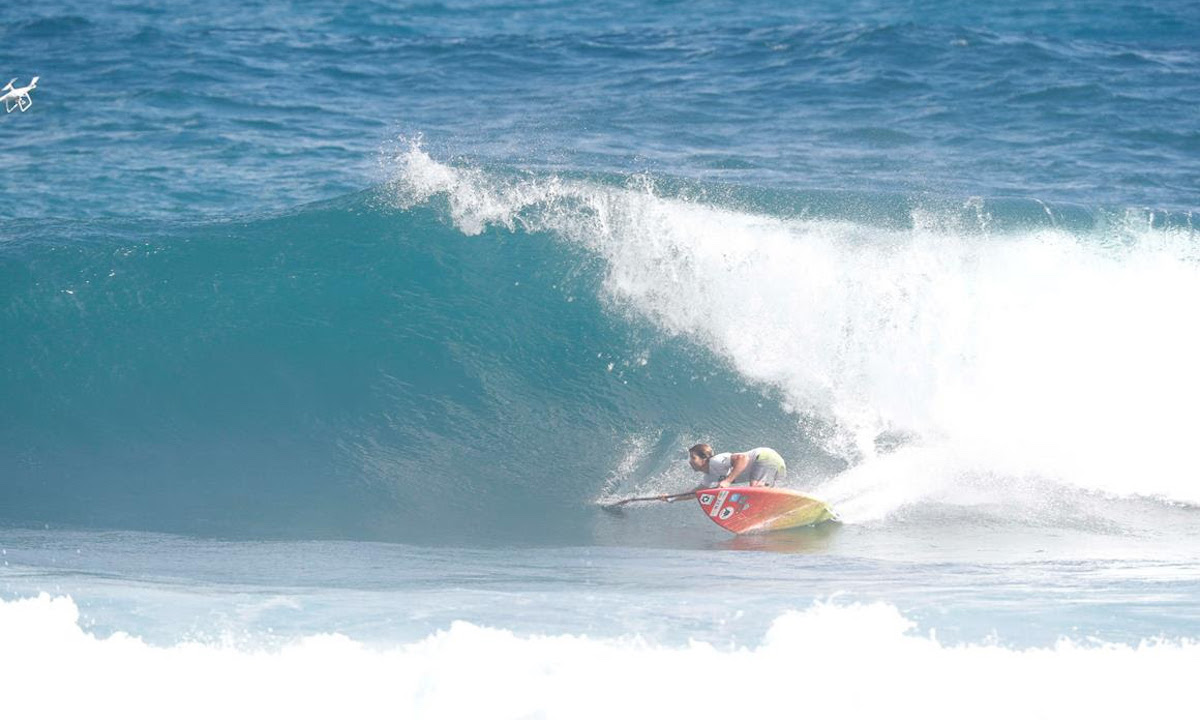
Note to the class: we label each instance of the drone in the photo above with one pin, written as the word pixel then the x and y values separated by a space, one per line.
pixel 17 97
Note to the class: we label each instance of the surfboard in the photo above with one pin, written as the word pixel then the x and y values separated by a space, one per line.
pixel 744 509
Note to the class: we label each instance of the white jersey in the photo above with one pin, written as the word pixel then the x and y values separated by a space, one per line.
pixel 765 465
pixel 719 466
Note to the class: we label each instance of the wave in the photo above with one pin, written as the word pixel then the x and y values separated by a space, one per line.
pixel 1007 339
pixel 344 371
pixel 475 353
pixel 836 651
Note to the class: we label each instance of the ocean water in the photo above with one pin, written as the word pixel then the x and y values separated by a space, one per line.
pixel 326 330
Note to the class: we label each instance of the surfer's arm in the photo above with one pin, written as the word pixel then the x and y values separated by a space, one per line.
pixel 738 463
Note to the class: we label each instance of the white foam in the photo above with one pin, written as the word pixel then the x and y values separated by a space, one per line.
pixel 852 660
pixel 1034 354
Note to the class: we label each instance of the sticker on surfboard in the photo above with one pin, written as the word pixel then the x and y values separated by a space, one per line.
pixel 743 509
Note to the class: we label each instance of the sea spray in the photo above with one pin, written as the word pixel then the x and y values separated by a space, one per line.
pixel 1026 350
pixel 857 659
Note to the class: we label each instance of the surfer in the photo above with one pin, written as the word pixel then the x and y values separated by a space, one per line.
pixel 761 466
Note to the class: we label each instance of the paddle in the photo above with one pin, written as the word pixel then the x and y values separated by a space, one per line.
pixel 648 498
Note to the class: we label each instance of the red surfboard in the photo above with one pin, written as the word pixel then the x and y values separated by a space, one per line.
pixel 744 509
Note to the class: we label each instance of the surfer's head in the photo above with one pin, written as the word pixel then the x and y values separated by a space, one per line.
pixel 698 456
